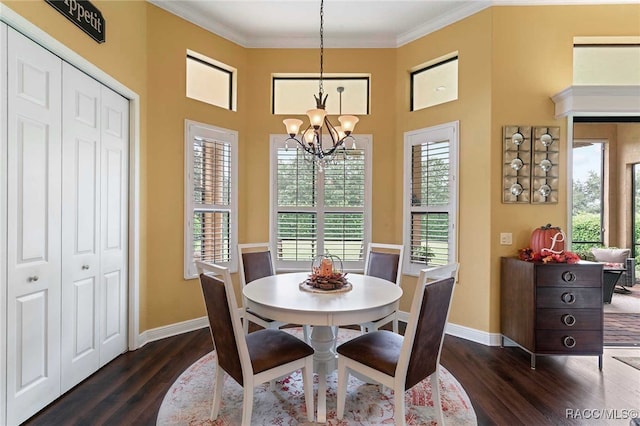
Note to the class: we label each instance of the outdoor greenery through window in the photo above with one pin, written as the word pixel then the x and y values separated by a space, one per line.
pixel 431 200
pixel 319 212
pixel 587 214
pixel 210 201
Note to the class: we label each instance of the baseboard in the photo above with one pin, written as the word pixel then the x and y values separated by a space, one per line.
pixel 171 330
pixel 467 333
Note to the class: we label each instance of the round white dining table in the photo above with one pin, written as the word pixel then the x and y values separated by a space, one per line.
pixel 280 298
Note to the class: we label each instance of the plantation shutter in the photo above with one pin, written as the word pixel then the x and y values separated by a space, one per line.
pixel 211 200
pixel 430 201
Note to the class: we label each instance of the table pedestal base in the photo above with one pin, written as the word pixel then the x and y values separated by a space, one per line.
pixel 324 361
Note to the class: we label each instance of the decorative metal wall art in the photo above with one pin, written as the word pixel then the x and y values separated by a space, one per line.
pixel 516 164
pixel 530 164
pixel 544 169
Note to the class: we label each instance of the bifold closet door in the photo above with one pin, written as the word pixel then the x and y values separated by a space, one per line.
pixel 33 227
pixel 94 225
pixel 80 226
pixel 114 135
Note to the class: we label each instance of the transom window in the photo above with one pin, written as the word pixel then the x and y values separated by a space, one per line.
pixel 210 81
pixel 317 212
pixel 294 94
pixel 435 82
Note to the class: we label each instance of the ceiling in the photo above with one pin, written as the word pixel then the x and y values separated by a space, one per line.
pixel 347 23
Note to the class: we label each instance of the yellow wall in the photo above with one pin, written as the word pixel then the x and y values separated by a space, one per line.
pixel 171 299
pixel 124 57
pixel 512 59
pixel 532 60
pixel 472 39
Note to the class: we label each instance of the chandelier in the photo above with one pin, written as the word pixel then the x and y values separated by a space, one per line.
pixel 310 140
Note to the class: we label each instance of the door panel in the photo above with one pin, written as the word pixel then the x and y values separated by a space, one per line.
pixel 80 226
pixel 33 231
pixel 113 252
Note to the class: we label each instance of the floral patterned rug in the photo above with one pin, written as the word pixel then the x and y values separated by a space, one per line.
pixel 188 401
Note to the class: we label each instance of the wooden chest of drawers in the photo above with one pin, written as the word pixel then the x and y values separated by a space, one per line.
pixel 552 309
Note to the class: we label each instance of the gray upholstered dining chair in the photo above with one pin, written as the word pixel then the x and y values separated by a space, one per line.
pixel 383 261
pixel 256 262
pixel 401 362
pixel 250 359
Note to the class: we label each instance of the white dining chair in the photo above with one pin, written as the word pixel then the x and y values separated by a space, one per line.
pixel 256 262
pixel 444 271
pixel 383 261
pixel 397 361
pixel 250 359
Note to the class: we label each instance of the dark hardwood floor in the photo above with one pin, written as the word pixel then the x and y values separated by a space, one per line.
pixel 500 384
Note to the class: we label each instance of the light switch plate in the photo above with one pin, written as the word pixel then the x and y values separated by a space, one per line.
pixel 506 238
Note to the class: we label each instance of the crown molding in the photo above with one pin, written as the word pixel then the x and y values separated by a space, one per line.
pixel 381 40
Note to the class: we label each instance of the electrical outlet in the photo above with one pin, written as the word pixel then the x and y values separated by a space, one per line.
pixel 506 238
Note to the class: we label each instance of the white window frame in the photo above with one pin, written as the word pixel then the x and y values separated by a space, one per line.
pixel 194 130
pixel 440 82
pixel 447 131
pixel 297 91
pixel 230 90
pixel 364 142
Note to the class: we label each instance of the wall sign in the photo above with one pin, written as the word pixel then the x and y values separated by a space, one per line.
pixel 84 15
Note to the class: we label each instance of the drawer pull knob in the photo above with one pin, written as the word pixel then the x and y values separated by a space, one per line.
pixel 568 320
pixel 569 342
pixel 568 298
pixel 568 276
pixel 85 267
pixel 33 279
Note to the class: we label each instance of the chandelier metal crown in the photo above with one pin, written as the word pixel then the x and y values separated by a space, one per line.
pixel 311 138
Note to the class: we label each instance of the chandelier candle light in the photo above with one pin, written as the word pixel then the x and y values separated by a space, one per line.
pixel 311 138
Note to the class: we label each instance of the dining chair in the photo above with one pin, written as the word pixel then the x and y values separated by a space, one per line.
pixel 383 261
pixel 444 271
pixel 256 262
pixel 401 362
pixel 250 359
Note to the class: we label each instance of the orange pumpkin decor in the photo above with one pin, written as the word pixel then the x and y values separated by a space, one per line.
pixel 547 240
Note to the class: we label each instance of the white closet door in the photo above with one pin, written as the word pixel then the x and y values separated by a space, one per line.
pixel 113 240
pixel 33 227
pixel 3 219
pixel 80 355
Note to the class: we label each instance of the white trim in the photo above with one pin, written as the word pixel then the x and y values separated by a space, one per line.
pixel 260 40
pixel 467 333
pixel 36 34
pixel 193 129
pixel 170 330
pixel 597 100
pixel 591 101
pixel 447 131
pixel 3 221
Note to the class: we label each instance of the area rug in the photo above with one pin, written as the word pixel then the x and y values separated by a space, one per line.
pixel 188 401
pixel 633 361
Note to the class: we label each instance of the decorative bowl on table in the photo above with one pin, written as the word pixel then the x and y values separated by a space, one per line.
pixel 326 273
